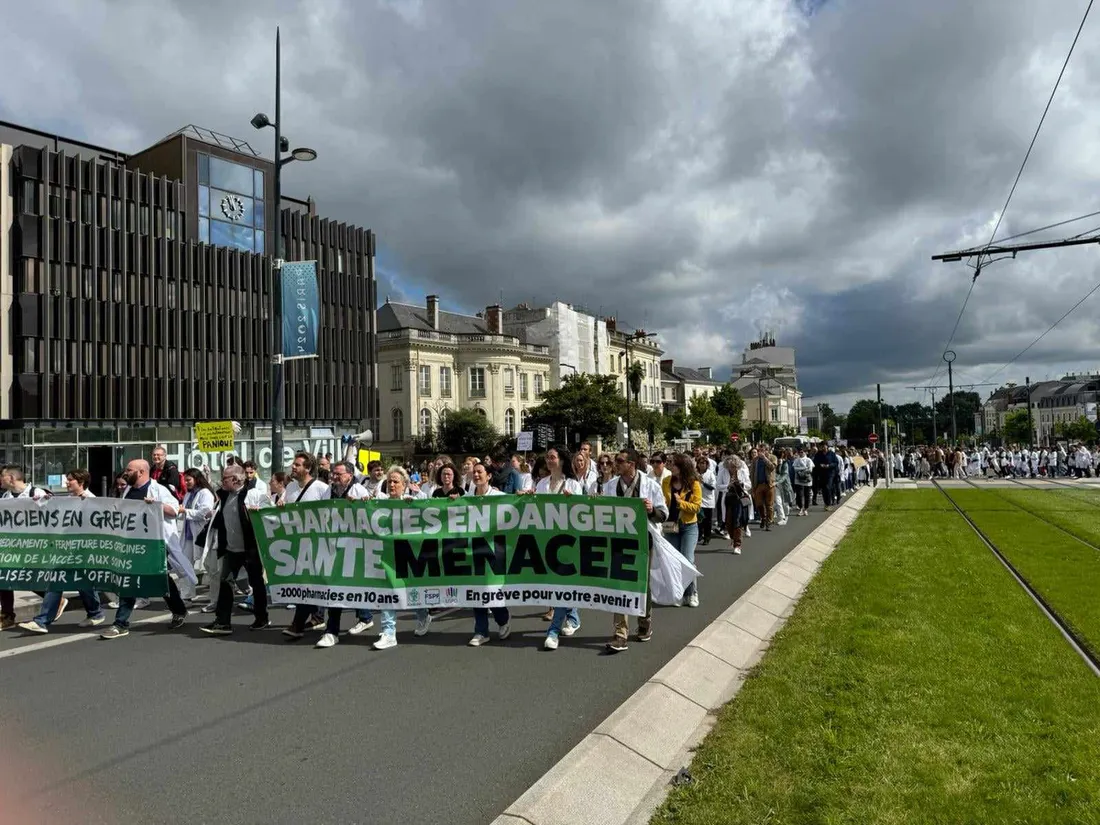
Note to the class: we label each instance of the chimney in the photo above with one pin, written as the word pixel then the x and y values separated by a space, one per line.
pixel 666 365
pixel 433 311
pixel 494 319
pixel 610 323
pixel 707 372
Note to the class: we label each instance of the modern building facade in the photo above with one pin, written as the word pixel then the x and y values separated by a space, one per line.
pixel 431 361
pixel 135 295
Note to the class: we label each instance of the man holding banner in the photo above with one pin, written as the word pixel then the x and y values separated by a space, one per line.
pixel 632 484
pixel 141 487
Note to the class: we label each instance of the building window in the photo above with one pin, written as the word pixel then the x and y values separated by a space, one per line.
pixel 425 421
pixel 509 381
pixel 481 412
pixel 775 413
pixel 477 382
pixel 445 382
pixel 523 385
pixel 645 393
pixel 538 385
pixel 231 205
pixel 397 371
pixel 398 426
pixel 509 423
pixel 425 380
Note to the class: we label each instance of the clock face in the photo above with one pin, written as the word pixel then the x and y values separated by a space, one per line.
pixel 232 207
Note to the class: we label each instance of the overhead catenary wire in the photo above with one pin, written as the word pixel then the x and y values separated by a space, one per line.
pixel 1065 315
pixel 1015 182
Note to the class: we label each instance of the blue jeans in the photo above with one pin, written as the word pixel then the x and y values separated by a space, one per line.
pixel 389 619
pixel 560 615
pixel 52 600
pixel 685 542
pixel 481 619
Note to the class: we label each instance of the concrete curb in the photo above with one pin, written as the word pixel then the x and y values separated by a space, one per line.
pixel 619 774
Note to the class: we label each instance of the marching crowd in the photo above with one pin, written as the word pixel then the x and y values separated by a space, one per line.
pixel 211 546
pixel 1013 461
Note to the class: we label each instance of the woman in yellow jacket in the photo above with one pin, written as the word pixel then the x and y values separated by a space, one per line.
pixel 684 495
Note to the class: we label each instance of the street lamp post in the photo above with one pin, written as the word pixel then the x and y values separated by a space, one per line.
pixel 951 391
pixel 282 145
pixel 1030 431
pixel 563 364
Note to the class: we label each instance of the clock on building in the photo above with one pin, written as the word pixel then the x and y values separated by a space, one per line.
pixel 232 207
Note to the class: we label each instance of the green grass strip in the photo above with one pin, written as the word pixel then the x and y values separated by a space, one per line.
pixel 1064 571
pixel 916 682
pixel 1077 513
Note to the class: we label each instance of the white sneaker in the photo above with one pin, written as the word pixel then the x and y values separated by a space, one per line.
pixel 141 604
pixel 551 643
pixel 328 640
pixel 32 627
pixel 782 523
pixel 693 600
pixel 361 627
pixel 737 551
pixel 422 626
pixel 505 631
pixel 568 628
pixel 748 533
pixel 385 641
pixel 92 621
pixel 209 608
pixel 478 640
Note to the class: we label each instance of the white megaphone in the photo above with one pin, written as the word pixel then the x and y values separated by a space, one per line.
pixel 355 443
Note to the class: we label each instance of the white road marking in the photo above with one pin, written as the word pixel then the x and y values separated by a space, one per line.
pixel 93 633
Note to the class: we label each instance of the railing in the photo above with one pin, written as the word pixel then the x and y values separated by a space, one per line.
pixel 449 338
pixel 477 392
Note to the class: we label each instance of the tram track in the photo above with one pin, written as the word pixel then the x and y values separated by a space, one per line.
pixel 1032 513
pixel 1067 632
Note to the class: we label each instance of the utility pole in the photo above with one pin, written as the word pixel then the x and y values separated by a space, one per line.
pixel 951 389
pixel 1030 430
pixel 949 357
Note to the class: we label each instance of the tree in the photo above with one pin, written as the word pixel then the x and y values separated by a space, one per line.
pixel 635 375
pixel 829 419
pixel 466 431
pixel 863 419
pixel 674 424
pixel 727 401
pixel 1083 429
pixel 704 417
pixel 966 405
pixel 587 403
pixel 1016 429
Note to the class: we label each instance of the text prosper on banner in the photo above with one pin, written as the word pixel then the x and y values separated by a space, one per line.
pixel 495 551
pixel 104 544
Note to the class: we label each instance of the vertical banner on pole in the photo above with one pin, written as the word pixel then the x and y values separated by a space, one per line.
pixel 301 309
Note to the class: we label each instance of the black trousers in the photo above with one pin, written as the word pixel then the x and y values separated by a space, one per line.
pixel 706 522
pixel 231 567
pixel 802 496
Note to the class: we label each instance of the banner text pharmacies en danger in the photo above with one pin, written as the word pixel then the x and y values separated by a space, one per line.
pixel 485 552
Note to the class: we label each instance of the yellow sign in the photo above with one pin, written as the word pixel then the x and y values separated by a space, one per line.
pixel 214 436
pixel 365 457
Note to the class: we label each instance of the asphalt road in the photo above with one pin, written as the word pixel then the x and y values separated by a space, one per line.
pixel 179 727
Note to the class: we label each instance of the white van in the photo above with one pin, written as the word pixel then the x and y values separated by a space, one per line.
pixel 793 442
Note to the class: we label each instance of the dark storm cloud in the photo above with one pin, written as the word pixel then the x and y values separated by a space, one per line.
pixel 704 168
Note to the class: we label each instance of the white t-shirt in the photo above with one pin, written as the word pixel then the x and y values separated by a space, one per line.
pixel 314 491
pixel 37 493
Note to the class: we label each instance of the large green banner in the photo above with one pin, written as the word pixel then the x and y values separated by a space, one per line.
pixel 66 543
pixel 491 551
